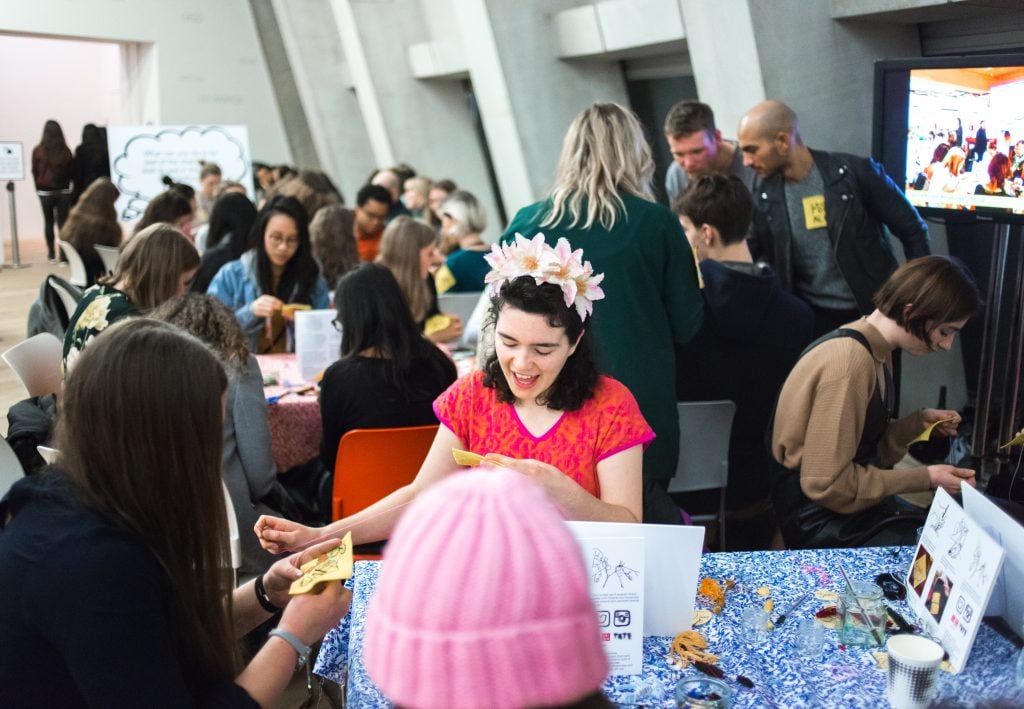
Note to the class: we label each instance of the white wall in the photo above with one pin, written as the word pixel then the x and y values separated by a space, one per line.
pixel 40 90
pixel 210 67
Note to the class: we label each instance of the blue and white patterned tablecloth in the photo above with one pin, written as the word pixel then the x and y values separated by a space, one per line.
pixel 840 677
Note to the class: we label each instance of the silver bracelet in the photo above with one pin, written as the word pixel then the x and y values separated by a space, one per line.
pixel 301 649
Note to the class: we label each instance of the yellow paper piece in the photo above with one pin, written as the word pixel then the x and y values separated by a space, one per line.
pixel 436 324
pixel 814 212
pixel 823 594
pixel 444 279
pixel 701 616
pixel 764 591
pixel 1015 441
pixel 335 565
pixel 696 263
pixel 472 459
pixel 769 606
pixel 927 433
pixel 289 309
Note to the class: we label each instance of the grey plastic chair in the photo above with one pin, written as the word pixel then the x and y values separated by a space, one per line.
pixel 704 429
pixel 110 255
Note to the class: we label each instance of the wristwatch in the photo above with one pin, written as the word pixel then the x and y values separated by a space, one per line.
pixel 292 639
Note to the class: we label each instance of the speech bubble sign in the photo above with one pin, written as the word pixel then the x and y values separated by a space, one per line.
pixel 140 156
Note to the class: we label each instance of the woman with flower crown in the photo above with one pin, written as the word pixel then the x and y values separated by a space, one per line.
pixel 538 406
pixel 602 203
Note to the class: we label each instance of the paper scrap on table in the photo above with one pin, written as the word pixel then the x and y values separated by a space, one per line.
pixel 1015 441
pixel 471 459
pixel 335 565
pixel 927 433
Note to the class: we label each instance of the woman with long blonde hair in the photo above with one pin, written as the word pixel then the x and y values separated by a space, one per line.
pixel 602 202
pixel 409 250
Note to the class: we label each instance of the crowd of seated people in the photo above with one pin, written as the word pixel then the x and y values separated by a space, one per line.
pixel 603 310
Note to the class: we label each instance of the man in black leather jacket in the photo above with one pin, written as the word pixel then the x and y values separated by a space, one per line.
pixel 803 196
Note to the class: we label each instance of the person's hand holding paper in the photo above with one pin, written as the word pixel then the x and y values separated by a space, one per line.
pixel 939 421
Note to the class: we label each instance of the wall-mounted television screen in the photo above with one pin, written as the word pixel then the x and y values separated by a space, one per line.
pixel 950 131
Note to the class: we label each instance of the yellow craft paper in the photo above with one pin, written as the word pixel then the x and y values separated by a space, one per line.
pixel 1015 441
pixel 436 324
pixel 336 565
pixel 290 308
pixel 814 212
pixel 471 459
pixel 927 433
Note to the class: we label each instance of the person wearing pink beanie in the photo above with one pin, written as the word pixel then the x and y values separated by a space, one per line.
pixel 512 625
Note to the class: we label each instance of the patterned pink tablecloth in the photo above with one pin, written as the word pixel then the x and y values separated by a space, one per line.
pixel 295 418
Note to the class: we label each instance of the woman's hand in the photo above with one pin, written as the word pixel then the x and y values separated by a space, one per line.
pixel 949 477
pixel 265 306
pixel 311 615
pixel 948 429
pixel 554 482
pixel 280 576
pixel 279 535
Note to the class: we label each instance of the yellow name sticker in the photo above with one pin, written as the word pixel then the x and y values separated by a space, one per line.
pixel 814 212
pixel 335 565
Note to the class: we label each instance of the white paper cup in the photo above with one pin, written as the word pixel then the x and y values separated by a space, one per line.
pixel 913 670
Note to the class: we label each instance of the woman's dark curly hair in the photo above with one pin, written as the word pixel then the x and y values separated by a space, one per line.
pixel 576 382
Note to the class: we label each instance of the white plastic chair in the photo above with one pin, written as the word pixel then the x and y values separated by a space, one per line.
pixel 10 467
pixel 36 361
pixel 110 255
pixel 78 275
pixel 236 539
pixel 704 429
pixel 49 455
pixel 67 298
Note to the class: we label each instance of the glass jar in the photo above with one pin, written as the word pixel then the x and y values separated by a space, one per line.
pixel 863 615
pixel 703 693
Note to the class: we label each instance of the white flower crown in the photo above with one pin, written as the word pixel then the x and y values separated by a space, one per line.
pixel 560 265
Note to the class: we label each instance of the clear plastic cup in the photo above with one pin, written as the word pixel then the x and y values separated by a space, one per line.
pixel 808 638
pixel 754 625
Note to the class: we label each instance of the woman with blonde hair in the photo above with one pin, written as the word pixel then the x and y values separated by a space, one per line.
pixel 409 249
pixel 155 265
pixel 602 202
pixel 93 221
pixel 463 221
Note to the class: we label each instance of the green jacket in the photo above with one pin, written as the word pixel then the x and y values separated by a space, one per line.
pixel 651 302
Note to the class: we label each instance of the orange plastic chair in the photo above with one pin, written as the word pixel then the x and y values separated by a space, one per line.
pixel 373 462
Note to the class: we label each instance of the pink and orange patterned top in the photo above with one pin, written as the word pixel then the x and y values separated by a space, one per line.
pixel 606 424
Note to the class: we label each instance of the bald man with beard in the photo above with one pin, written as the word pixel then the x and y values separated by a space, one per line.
pixel 820 217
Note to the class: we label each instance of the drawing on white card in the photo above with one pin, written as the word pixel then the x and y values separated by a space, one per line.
pixel 940 520
pixel 978 569
pixel 959 537
pixel 603 571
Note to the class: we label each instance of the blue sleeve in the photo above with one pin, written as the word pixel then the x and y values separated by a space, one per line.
pixel 227 286
pixel 321 298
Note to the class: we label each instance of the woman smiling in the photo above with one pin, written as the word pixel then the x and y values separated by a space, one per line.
pixel 538 407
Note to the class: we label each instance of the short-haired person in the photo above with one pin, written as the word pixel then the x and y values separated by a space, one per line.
pixel 116 562
pixel 820 217
pixel 389 374
pixel 482 639
pixel 835 432
pixel 698 149
pixel 463 221
pixel 439 192
pixel 539 405
pixel 390 180
pixel 279 270
pixel 156 264
pixel 753 333
pixel 209 189
pixel 409 249
pixel 373 204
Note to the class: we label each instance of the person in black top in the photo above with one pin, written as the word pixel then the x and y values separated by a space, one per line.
pixel 389 374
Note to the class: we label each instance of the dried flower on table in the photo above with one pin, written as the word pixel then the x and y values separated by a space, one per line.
pixel 688 647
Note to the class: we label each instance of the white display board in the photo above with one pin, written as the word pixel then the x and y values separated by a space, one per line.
pixel 12 160
pixel 141 155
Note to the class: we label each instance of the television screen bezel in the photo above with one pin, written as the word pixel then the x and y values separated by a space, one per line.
pixel 883 132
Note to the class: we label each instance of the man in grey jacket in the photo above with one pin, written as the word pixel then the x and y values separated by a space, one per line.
pixel 819 217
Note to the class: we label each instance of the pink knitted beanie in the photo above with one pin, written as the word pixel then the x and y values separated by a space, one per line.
pixel 483 601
